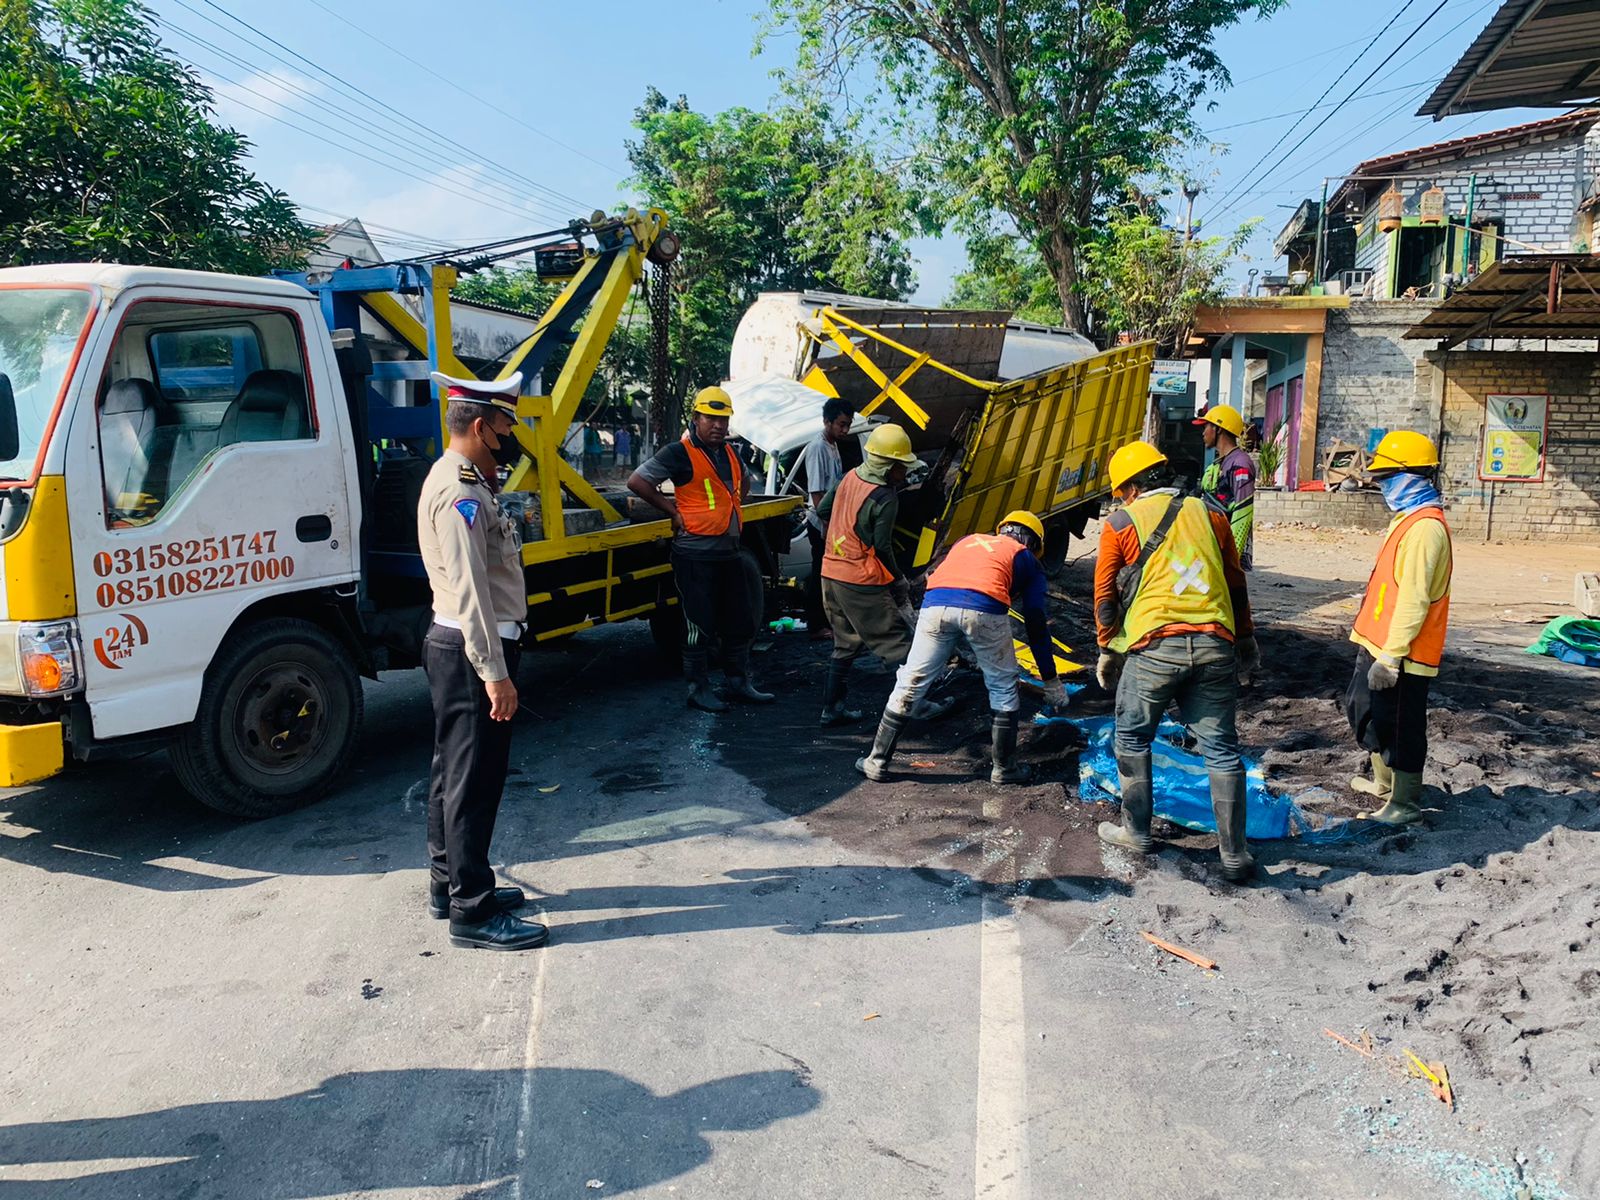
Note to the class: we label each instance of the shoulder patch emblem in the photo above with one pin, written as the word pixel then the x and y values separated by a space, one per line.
pixel 468 510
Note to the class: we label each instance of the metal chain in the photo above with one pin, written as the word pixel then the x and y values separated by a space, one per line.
pixel 659 300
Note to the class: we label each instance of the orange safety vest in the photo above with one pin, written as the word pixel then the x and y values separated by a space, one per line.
pixel 980 562
pixel 705 503
pixel 1377 611
pixel 845 556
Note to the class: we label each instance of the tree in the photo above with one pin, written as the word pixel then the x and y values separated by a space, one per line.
pixel 1003 272
pixel 109 150
pixel 1146 279
pixel 779 201
pixel 1043 110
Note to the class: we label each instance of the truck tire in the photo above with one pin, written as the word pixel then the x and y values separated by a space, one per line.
pixel 1057 540
pixel 279 717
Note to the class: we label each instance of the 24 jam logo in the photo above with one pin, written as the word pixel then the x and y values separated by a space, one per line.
pixel 117 644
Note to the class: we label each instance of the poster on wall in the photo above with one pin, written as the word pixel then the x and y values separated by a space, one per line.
pixel 1169 377
pixel 1513 438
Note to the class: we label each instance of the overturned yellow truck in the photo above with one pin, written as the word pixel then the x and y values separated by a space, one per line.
pixel 1004 414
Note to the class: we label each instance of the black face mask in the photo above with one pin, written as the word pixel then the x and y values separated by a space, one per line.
pixel 509 452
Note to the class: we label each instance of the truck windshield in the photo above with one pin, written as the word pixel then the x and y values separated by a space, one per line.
pixel 39 330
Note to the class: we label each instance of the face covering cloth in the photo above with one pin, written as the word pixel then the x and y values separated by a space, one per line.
pixel 1404 492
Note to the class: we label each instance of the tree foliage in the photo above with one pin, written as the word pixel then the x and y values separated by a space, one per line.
pixel 1147 280
pixel 110 150
pixel 777 201
pixel 1005 272
pixel 1043 110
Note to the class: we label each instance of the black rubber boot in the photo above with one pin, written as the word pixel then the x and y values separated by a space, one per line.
pixel 697 669
pixel 875 765
pixel 834 691
pixel 1003 739
pixel 1133 773
pixel 739 686
pixel 1228 805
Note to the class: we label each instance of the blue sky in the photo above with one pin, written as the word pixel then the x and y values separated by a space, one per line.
pixel 492 117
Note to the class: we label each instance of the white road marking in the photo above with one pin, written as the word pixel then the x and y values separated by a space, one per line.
pixel 530 1055
pixel 1001 1152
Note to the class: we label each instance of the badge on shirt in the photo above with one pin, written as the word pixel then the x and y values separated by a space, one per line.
pixel 469 510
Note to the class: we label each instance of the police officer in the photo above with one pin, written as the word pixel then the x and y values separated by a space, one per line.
pixel 969 599
pixel 473 557
pixel 719 584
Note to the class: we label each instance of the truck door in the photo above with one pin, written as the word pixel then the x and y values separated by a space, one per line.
pixel 209 473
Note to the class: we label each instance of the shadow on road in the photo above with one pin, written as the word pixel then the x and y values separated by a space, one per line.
pixel 376 1130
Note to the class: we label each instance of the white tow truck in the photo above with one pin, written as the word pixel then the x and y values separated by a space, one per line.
pixel 208 506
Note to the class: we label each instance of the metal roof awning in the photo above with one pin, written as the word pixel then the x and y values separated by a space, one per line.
pixel 1533 53
pixel 1532 296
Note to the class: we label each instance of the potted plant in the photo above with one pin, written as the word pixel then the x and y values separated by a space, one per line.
pixel 1269 458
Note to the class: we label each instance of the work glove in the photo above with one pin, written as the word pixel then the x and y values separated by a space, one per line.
pixel 1109 669
pixel 900 593
pixel 1248 653
pixel 1383 674
pixel 1055 693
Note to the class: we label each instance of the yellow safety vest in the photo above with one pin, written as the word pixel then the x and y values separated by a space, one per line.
pixel 1182 583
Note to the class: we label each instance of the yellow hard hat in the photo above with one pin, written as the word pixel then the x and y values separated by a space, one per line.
pixel 1402 450
pixel 713 402
pixel 1026 519
pixel 890 441
pixel 1225 417
pixel 1132 459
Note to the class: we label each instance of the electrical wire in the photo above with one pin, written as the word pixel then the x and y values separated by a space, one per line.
pixel 432 69
pixel 1249 175
pixel 443 143
pixel 1405 87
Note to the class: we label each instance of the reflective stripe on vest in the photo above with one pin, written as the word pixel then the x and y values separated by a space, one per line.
pixel 1376 617
pixel 1182 583
pixel 845 556
pixel 980 562
pixel 705 503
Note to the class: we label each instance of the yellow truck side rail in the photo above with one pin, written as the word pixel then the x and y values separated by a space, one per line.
pixel 1039 442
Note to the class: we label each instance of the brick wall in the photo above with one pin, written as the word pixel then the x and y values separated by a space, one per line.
pixel 1331 510
pixel 1566 506
pixel 1370 373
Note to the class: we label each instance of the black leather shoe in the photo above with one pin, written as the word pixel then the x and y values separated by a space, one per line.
pixel 506 899
pixel 500 932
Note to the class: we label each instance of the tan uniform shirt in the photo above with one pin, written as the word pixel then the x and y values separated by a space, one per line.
pixel 474 560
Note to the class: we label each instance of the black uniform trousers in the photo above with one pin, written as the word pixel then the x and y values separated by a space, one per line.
pixel 470 757
pixel 1392 722
pixel 721 599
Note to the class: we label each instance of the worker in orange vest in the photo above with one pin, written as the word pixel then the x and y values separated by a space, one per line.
pixel 969 599
pixel 1400 628
pixel 718 581
pixel 865 593
pixel 1172 616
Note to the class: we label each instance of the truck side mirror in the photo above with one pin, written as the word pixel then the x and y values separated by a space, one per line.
pixel 10 439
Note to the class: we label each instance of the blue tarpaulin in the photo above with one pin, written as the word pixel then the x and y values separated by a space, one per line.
pixel 1183 790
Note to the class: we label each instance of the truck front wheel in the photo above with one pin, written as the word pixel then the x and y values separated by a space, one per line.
pixel 278 719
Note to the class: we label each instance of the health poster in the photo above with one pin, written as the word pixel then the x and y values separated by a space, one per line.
pixel 1513 438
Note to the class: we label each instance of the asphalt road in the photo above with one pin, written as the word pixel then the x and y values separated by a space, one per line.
pixel 730 1005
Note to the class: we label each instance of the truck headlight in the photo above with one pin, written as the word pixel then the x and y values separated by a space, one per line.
pixel 49 655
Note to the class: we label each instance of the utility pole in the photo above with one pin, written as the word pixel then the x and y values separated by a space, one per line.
pixel 1190 191
pixel 1322 226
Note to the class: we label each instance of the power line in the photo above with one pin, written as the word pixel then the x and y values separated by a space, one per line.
pixel 432 70
pixel 365 99
pixel 1249 174
pixel 1405 87
pixel 1370 76
pixel 512 195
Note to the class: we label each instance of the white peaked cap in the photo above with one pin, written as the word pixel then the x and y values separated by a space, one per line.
pixel 502 393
